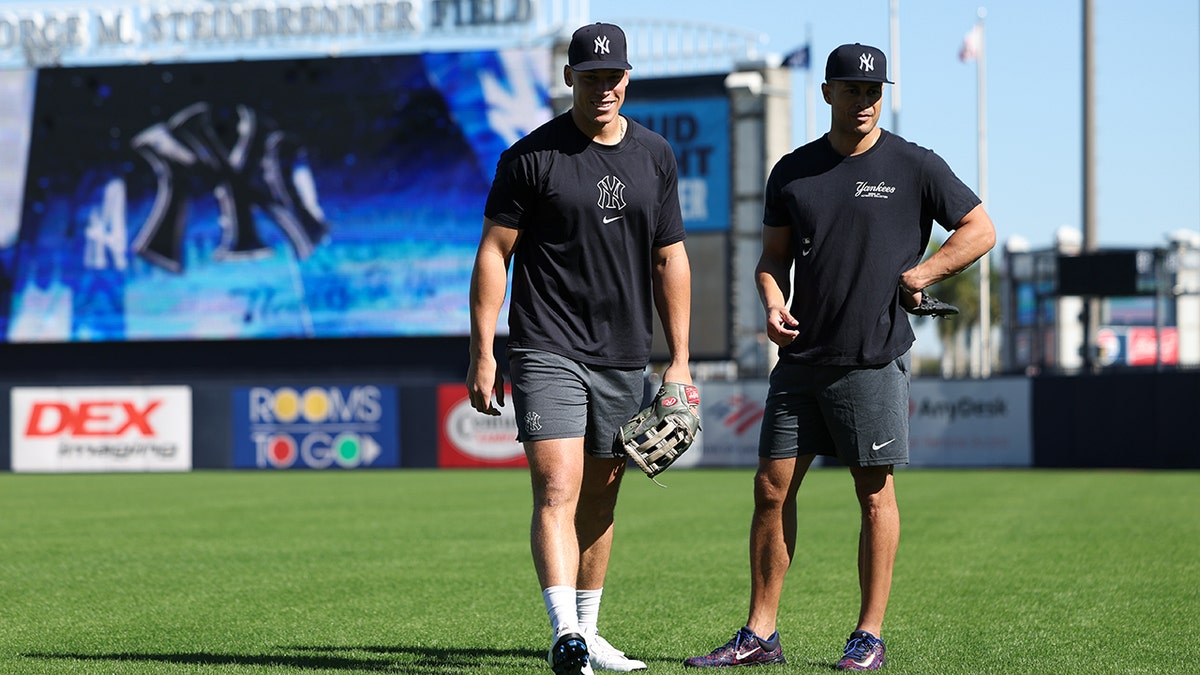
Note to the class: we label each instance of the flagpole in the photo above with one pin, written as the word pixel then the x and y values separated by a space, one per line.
pixel 810 96
pixel 985 276
pixel 1091 305
pixel 894 13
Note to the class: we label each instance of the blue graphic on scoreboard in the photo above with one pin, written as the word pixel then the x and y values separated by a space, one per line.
pixel 310 198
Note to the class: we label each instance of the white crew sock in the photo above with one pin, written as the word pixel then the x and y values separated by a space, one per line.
pixel 560 606
pixel 587 604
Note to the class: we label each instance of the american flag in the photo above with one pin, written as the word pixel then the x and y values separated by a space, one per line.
pixel 972 44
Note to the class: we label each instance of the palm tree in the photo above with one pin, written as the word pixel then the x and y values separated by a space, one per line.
pixel 962 291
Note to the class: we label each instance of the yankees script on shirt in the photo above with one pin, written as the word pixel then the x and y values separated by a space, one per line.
pixel 857 223
pixel 880 190
pixel 581 282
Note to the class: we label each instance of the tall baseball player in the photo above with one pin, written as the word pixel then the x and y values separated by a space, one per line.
pixel 586 210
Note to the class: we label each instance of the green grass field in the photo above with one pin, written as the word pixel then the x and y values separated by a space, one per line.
pixel 429 572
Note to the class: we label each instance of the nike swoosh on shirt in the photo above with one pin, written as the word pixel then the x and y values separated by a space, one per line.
pixel 876 446
pixel 608 220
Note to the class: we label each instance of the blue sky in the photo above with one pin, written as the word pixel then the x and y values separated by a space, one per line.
pixel 1147 94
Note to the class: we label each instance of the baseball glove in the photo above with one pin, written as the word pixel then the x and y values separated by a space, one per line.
pixel 663 430
pixel 931 306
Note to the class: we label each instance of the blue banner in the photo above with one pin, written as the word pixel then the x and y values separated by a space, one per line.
pixel 698 130
pixel 316 427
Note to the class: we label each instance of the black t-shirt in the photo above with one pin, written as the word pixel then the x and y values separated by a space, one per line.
pixel 590 216
pixel 857 223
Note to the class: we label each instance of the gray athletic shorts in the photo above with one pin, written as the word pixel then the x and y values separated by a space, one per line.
pixel 859 415
pixel 557 397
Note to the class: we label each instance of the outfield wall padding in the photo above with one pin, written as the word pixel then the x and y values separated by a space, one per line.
pixel 1142 420
pixel 1123 420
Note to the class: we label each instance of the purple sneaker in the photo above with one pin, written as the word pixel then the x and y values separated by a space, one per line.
pixel 745 649
pixel 863 652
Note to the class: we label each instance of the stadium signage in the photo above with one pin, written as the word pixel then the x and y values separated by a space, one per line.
pixel 965 407
pixel 76 429
pixel 316 427
pixel 970 423
pixel 36 36
pixel 483 436
pixel 698 129
pixel 469 439
pixel 731 414
pixel 90 418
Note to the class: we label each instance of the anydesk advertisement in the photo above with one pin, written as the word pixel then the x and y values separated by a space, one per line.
pixel 325 198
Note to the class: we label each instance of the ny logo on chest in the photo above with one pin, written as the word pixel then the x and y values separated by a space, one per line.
pixel 612 193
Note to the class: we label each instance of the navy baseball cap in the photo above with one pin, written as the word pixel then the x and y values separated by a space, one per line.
pixel 597 46
pixel 856 63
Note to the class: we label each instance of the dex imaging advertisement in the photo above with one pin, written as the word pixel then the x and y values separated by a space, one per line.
pixel 313 198
pixel 101 429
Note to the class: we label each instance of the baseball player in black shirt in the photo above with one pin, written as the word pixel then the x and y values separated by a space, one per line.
pixel 585 209
pixel 850 214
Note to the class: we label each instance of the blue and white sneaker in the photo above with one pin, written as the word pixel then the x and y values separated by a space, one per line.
pixel 863 652
pixel 745 649
pixel 569 656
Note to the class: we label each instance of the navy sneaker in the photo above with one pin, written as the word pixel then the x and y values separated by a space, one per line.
pixel 745 649
pixel 569 656
pixel 863 652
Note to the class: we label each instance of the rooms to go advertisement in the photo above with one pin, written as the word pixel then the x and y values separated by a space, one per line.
pixel 316 427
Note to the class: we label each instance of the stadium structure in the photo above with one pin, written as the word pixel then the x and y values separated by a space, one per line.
pixel 240 235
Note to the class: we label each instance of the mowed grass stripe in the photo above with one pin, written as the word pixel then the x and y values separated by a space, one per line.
pixel 429 572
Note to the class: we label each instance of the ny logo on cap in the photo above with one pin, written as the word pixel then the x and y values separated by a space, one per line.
pixel 601 44
pixel 866 62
